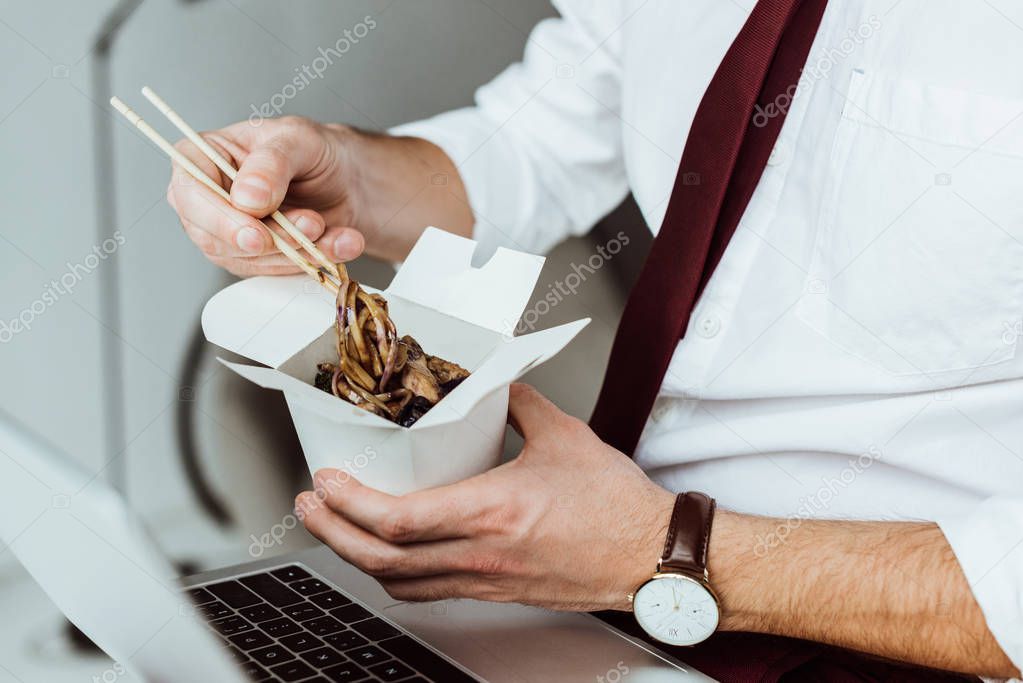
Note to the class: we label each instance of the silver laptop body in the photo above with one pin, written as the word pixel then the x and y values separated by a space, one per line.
pixel 88 552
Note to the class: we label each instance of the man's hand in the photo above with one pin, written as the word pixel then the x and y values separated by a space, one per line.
pixel 345 189
pixel 569 524
pixel 290 156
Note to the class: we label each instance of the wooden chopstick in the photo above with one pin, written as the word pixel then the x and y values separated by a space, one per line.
pixel 231 172
pixel 289 251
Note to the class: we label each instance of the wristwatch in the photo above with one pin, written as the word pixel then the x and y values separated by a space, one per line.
pixel 677 606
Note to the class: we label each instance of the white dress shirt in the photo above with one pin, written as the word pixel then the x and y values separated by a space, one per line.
pixel 855 353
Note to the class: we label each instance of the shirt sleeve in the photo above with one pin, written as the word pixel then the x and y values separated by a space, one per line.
pixel 540 153
pixel 988 543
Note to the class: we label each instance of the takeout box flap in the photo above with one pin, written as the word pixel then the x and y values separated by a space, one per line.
pixel 268 318
pixel 439 274
pixel 308 396
pixel 507 362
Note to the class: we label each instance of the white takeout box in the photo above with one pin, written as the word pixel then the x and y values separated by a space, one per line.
pixel 455 311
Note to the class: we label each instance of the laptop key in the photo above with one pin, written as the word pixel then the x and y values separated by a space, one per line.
pixel 424 660
pixel 368 655
pixel 258 613
pixel 250 640
pixel 254 671
pixel 234 594
pixel 345 673
pixel 310 587
pixel 275 592
pixel 323 626
pixel 214 610
pixel 325 656
pixel 376 629
pixel 238 655
pixel 279 627
pixel 289 574
pixel 303 611
pixel 268 656
pixel 300 642
pixel 346 640
pixel 231 625
pixel 292 671
pixel 200 596
pixel 351 613
pixel 391 671
pixel 329 600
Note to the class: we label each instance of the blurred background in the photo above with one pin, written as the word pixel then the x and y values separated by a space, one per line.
pixel 106 358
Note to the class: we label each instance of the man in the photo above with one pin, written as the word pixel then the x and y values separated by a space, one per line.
pixel 846 385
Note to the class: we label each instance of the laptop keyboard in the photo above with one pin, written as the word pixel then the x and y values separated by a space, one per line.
pixel 287 625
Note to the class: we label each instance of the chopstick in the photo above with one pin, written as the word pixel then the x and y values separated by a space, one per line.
pixel 231 172
pixel 321 275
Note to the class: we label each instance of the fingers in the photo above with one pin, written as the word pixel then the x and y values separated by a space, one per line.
pixel 272 264
pixel 231 232
pixel 354 545
pixel 342 243
pixel 268 159
pixel 443 587
pixel 529 411
pixel 447 512
pixel 293 149
pixel 376 556
pixel 263 178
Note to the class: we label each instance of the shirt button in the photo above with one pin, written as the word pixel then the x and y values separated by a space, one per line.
pixel 662 407
pixel 779 155
pixel 708 326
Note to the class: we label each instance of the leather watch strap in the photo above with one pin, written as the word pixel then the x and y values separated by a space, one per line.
pixel 685 549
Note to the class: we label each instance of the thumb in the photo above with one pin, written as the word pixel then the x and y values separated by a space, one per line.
pixel 263 178
pixel 529 411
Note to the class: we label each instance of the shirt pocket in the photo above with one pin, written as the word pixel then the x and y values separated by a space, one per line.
pixel 917 262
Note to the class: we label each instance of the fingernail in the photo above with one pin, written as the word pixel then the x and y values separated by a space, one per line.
pixel 307 226
pixel 345 246
pixel 249 240
pixel 251 193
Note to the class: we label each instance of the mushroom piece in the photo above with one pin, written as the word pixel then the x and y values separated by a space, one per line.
pixel 416 376
pixel 375 370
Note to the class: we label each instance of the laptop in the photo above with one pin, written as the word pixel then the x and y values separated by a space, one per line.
pixel 305 616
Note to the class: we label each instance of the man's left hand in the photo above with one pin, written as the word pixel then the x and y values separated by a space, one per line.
pixel 569 524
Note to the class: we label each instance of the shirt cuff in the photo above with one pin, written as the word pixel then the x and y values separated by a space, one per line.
pixel 988 543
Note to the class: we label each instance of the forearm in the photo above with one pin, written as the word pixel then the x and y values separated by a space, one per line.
pixel 404 184
pixel 885 588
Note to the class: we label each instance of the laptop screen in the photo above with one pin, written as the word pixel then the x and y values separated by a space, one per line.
pixel 83 546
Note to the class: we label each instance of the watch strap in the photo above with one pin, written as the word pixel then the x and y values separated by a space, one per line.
pixel 685 548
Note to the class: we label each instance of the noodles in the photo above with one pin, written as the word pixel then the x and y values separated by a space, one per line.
pixel 375 370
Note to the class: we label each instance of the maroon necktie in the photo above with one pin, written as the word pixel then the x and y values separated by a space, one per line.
pixel 722 162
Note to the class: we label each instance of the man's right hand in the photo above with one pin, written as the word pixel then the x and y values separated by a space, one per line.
pixel 307 161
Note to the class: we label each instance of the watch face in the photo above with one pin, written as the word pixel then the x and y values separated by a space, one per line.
pixel 676 609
